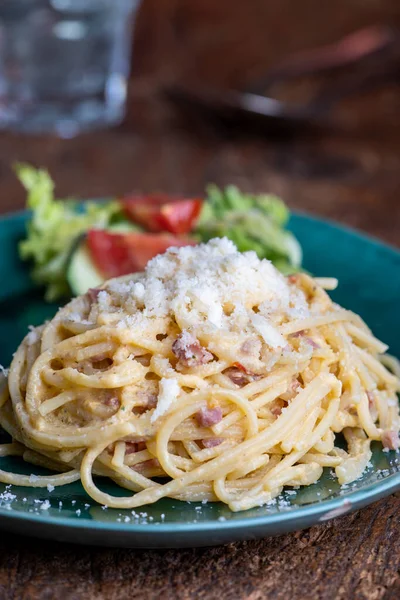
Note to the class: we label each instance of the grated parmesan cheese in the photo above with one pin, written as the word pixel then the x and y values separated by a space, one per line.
pixel 3 371
pixel 6 497
pixel 32 336
pixel 104 299
pixel 45 505
pixel 168 392
pixel 75 317
pixel 270 335
pixel 213 286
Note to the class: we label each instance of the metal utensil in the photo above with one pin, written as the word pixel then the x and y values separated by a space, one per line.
pixel 375 51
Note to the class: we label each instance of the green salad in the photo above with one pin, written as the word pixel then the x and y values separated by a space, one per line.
pixel 73 246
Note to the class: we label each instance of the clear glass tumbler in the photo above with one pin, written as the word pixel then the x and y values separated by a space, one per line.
pixel 64 64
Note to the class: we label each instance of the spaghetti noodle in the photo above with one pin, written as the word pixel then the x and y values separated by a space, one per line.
pixel 208 377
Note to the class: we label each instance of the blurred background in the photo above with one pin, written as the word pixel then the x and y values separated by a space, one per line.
pixel 343 161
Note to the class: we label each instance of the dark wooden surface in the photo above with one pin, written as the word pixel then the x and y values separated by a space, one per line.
pixel 352 177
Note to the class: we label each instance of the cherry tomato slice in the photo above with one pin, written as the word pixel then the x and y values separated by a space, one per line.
pixel 116 254
pixel 159 212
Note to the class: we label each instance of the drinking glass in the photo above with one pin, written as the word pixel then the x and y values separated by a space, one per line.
pixel 64 64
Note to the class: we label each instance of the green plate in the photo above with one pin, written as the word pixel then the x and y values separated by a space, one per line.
pixel 369 274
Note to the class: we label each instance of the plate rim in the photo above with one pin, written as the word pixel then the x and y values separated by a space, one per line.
pixel 348 502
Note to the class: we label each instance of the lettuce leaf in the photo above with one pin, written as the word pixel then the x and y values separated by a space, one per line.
pixel 252 222
pixel 54 227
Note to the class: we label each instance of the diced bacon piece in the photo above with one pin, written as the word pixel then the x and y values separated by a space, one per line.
pixel 212 442
pixel 206 417
pixel 276 410
pixel 373 409
pixel 292 390
pixel 311 342
pixel 294 386
pixel 152 463
pixel 189 351
pixel 241 376
pixel 371 399
pixel 297 334
pixel 149 399
pixel 93 294
pixel 237 376
pixel 390 440
pixel 112 401
pixel 302 333
pixel 250 347
pixel 132 447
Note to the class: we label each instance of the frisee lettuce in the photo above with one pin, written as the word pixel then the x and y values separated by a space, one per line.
pixel 53 228
pixel 252 222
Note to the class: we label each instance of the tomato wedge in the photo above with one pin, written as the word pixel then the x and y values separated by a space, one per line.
pixel 116 254
pixel 159 212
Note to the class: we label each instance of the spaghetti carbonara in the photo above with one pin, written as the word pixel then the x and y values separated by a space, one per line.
pixel 210 376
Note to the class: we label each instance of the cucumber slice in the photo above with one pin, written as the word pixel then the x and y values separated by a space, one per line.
pixel 82 274
pixel 124 227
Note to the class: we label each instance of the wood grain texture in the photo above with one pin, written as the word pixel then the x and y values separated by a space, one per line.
pixel 352 177
pixel 356 556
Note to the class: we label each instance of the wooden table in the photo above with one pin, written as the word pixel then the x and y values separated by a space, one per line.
pixel 351 177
